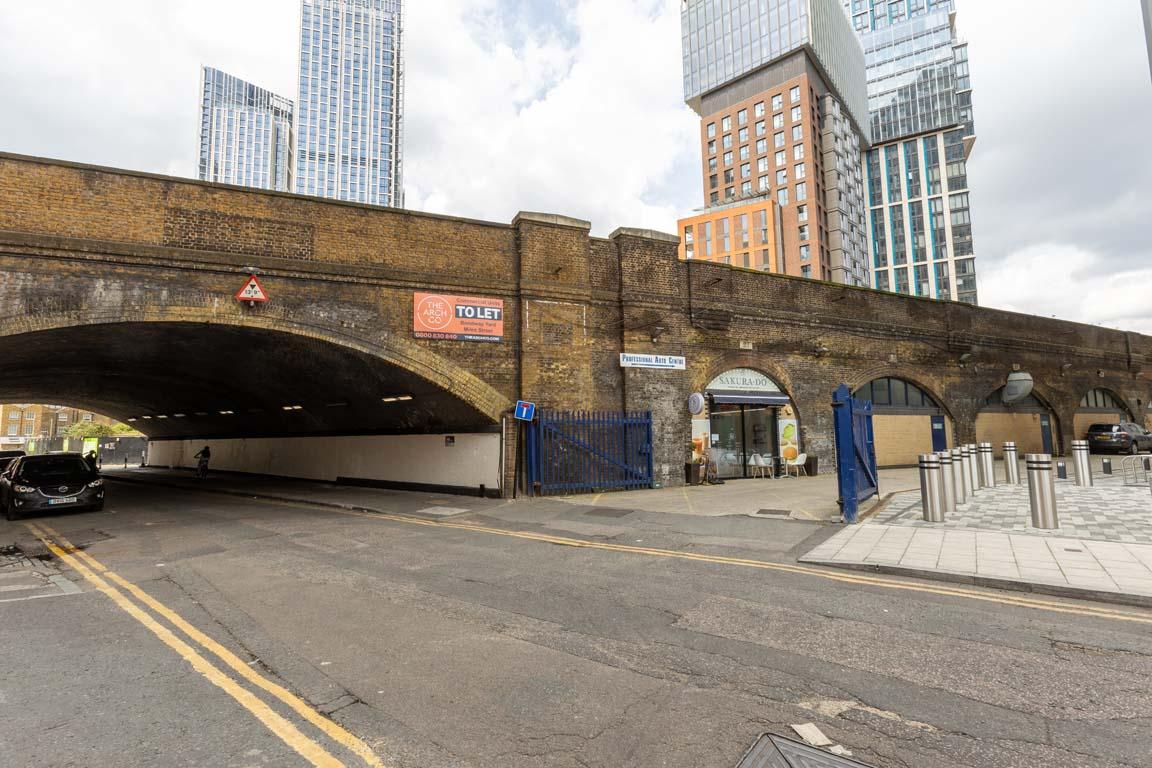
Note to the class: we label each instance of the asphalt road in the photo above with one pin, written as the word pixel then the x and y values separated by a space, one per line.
pixel 488 640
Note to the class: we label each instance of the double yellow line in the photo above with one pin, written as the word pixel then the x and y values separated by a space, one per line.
pixel 118 590
pixel 1003 598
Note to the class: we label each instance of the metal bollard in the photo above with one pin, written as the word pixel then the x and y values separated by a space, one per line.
pixel 987 466
pixel 1011 464
pixel 1041 490
pixel 931 493
pixel 1082 461
pixel 1107 466
pixel 970 468
pixel 962 489
pixel 947 483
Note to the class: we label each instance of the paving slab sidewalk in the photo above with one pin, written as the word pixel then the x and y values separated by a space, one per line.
pixel 1110 571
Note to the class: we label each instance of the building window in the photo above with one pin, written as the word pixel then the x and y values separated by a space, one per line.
pixel 762 165
pixel 777 102
pixel 13 430
pixel 763 183
pixel 781 157
pixel 758 109
pixel 14 416
pixel 29 416
pixel 761 146
pixel 711 130
pixel 782 176
pixel 87 417
pixel 797 133
pixel 713 181
pixel 730 192
pixel 794 94
pixel 798 152
pixel 689 246
pixel 726 123
pixel 797 113
pixel 712 163
pixel 782 196
pixel 742 134
pixel 806 271
pixel 727 158
pixel 727 141
pixel 707 239
pixel 744 152
pixel 882 281
pixel 714 198
pixel 800 171
pixel 725 235
pixel 746 170
pixel 802 191
pixel 29 429
pixel 742 117
pixel 62 416
pixel 803 231
pixel 778 121
pixel 802 213
pixel 746 188
pixel 711 147
pixel 729 176
pixel 805 252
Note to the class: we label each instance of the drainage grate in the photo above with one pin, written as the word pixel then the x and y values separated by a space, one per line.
pixel 608 512
pixel 771 751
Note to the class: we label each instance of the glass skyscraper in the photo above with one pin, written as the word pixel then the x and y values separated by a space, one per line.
pixel 920 105
pixel 349 115
pixel 780 88
pixel 245 133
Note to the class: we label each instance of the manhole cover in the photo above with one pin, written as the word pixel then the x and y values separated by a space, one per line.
pixel 771 751
pixel 607 512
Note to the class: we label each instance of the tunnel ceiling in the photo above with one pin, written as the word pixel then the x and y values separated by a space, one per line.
pixel 131 371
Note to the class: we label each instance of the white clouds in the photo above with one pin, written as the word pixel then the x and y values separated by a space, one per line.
pixel 587 121
pixel 1067 282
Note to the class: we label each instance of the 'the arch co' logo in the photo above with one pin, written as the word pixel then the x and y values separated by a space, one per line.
pixel 457 318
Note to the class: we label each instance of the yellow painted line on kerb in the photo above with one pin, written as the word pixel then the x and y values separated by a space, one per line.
pixel 830 575
pixel 96 573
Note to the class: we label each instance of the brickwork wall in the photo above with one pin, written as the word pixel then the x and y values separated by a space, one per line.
pixel 82 245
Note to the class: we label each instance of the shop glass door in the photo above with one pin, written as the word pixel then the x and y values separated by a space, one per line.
pixel 728 441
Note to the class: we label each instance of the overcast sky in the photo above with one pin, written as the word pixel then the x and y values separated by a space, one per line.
pixel 575 107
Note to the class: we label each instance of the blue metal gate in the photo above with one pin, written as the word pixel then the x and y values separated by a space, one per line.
pixel 855 451
pixel 588 452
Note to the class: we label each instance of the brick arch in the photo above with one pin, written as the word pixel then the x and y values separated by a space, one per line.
pixel 894 371
pixel 390 348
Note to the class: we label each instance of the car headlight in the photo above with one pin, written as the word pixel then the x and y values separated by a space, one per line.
pixel 23 489
pixel 96 483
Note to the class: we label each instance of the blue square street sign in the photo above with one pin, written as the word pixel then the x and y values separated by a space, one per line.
pixel 525 411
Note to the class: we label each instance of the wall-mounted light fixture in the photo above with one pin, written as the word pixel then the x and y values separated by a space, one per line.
pixel 657 332
pixel 1065 368
pixel 965 359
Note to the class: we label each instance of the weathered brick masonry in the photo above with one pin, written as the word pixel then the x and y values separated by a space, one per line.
pixel 82 245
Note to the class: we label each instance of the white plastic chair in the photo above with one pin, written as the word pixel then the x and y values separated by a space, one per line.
pixel 756 465
pixel 798 464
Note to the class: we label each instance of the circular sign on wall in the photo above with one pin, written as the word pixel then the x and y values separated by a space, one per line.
pixel 696 403
pixel 434 312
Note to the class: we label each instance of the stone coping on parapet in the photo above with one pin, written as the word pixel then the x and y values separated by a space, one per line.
pixel 554 219
pixel 646 234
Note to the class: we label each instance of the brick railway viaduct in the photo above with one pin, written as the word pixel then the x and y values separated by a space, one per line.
pixel 116 294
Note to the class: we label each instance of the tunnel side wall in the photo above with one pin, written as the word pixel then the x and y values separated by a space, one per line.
pixel 402 461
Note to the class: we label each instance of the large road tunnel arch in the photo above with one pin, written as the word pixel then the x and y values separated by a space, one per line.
pixel 270 400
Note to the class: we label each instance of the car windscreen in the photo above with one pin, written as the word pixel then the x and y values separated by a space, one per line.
pixel 48 469
pixel 1104 428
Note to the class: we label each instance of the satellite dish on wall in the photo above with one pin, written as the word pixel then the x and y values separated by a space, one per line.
pixel 696 403
pixel 1019 386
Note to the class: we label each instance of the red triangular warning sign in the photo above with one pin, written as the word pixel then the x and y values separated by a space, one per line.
pixel 252 291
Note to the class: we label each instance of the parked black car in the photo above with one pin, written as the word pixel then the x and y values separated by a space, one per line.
pixel 37 484
pixel 7 457
pixel 1121 438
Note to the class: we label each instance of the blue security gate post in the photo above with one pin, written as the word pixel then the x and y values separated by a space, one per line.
pixel 855 451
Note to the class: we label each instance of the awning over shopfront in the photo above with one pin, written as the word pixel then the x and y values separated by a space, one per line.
pixel 749 398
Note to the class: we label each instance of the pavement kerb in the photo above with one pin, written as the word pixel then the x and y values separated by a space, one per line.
pixel 250 495
pixel 1116 598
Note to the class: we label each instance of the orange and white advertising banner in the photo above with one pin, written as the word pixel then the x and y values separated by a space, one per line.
pixel 457 318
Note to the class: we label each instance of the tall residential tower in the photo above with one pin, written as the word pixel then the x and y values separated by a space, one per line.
pixel 245 133
pixel 920 104
pixel 349 115
pixel 780 89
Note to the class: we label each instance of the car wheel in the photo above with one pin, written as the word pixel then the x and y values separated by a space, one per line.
pixel 1134 449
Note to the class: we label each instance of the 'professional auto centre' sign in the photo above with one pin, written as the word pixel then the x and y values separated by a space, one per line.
pixel 457 318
